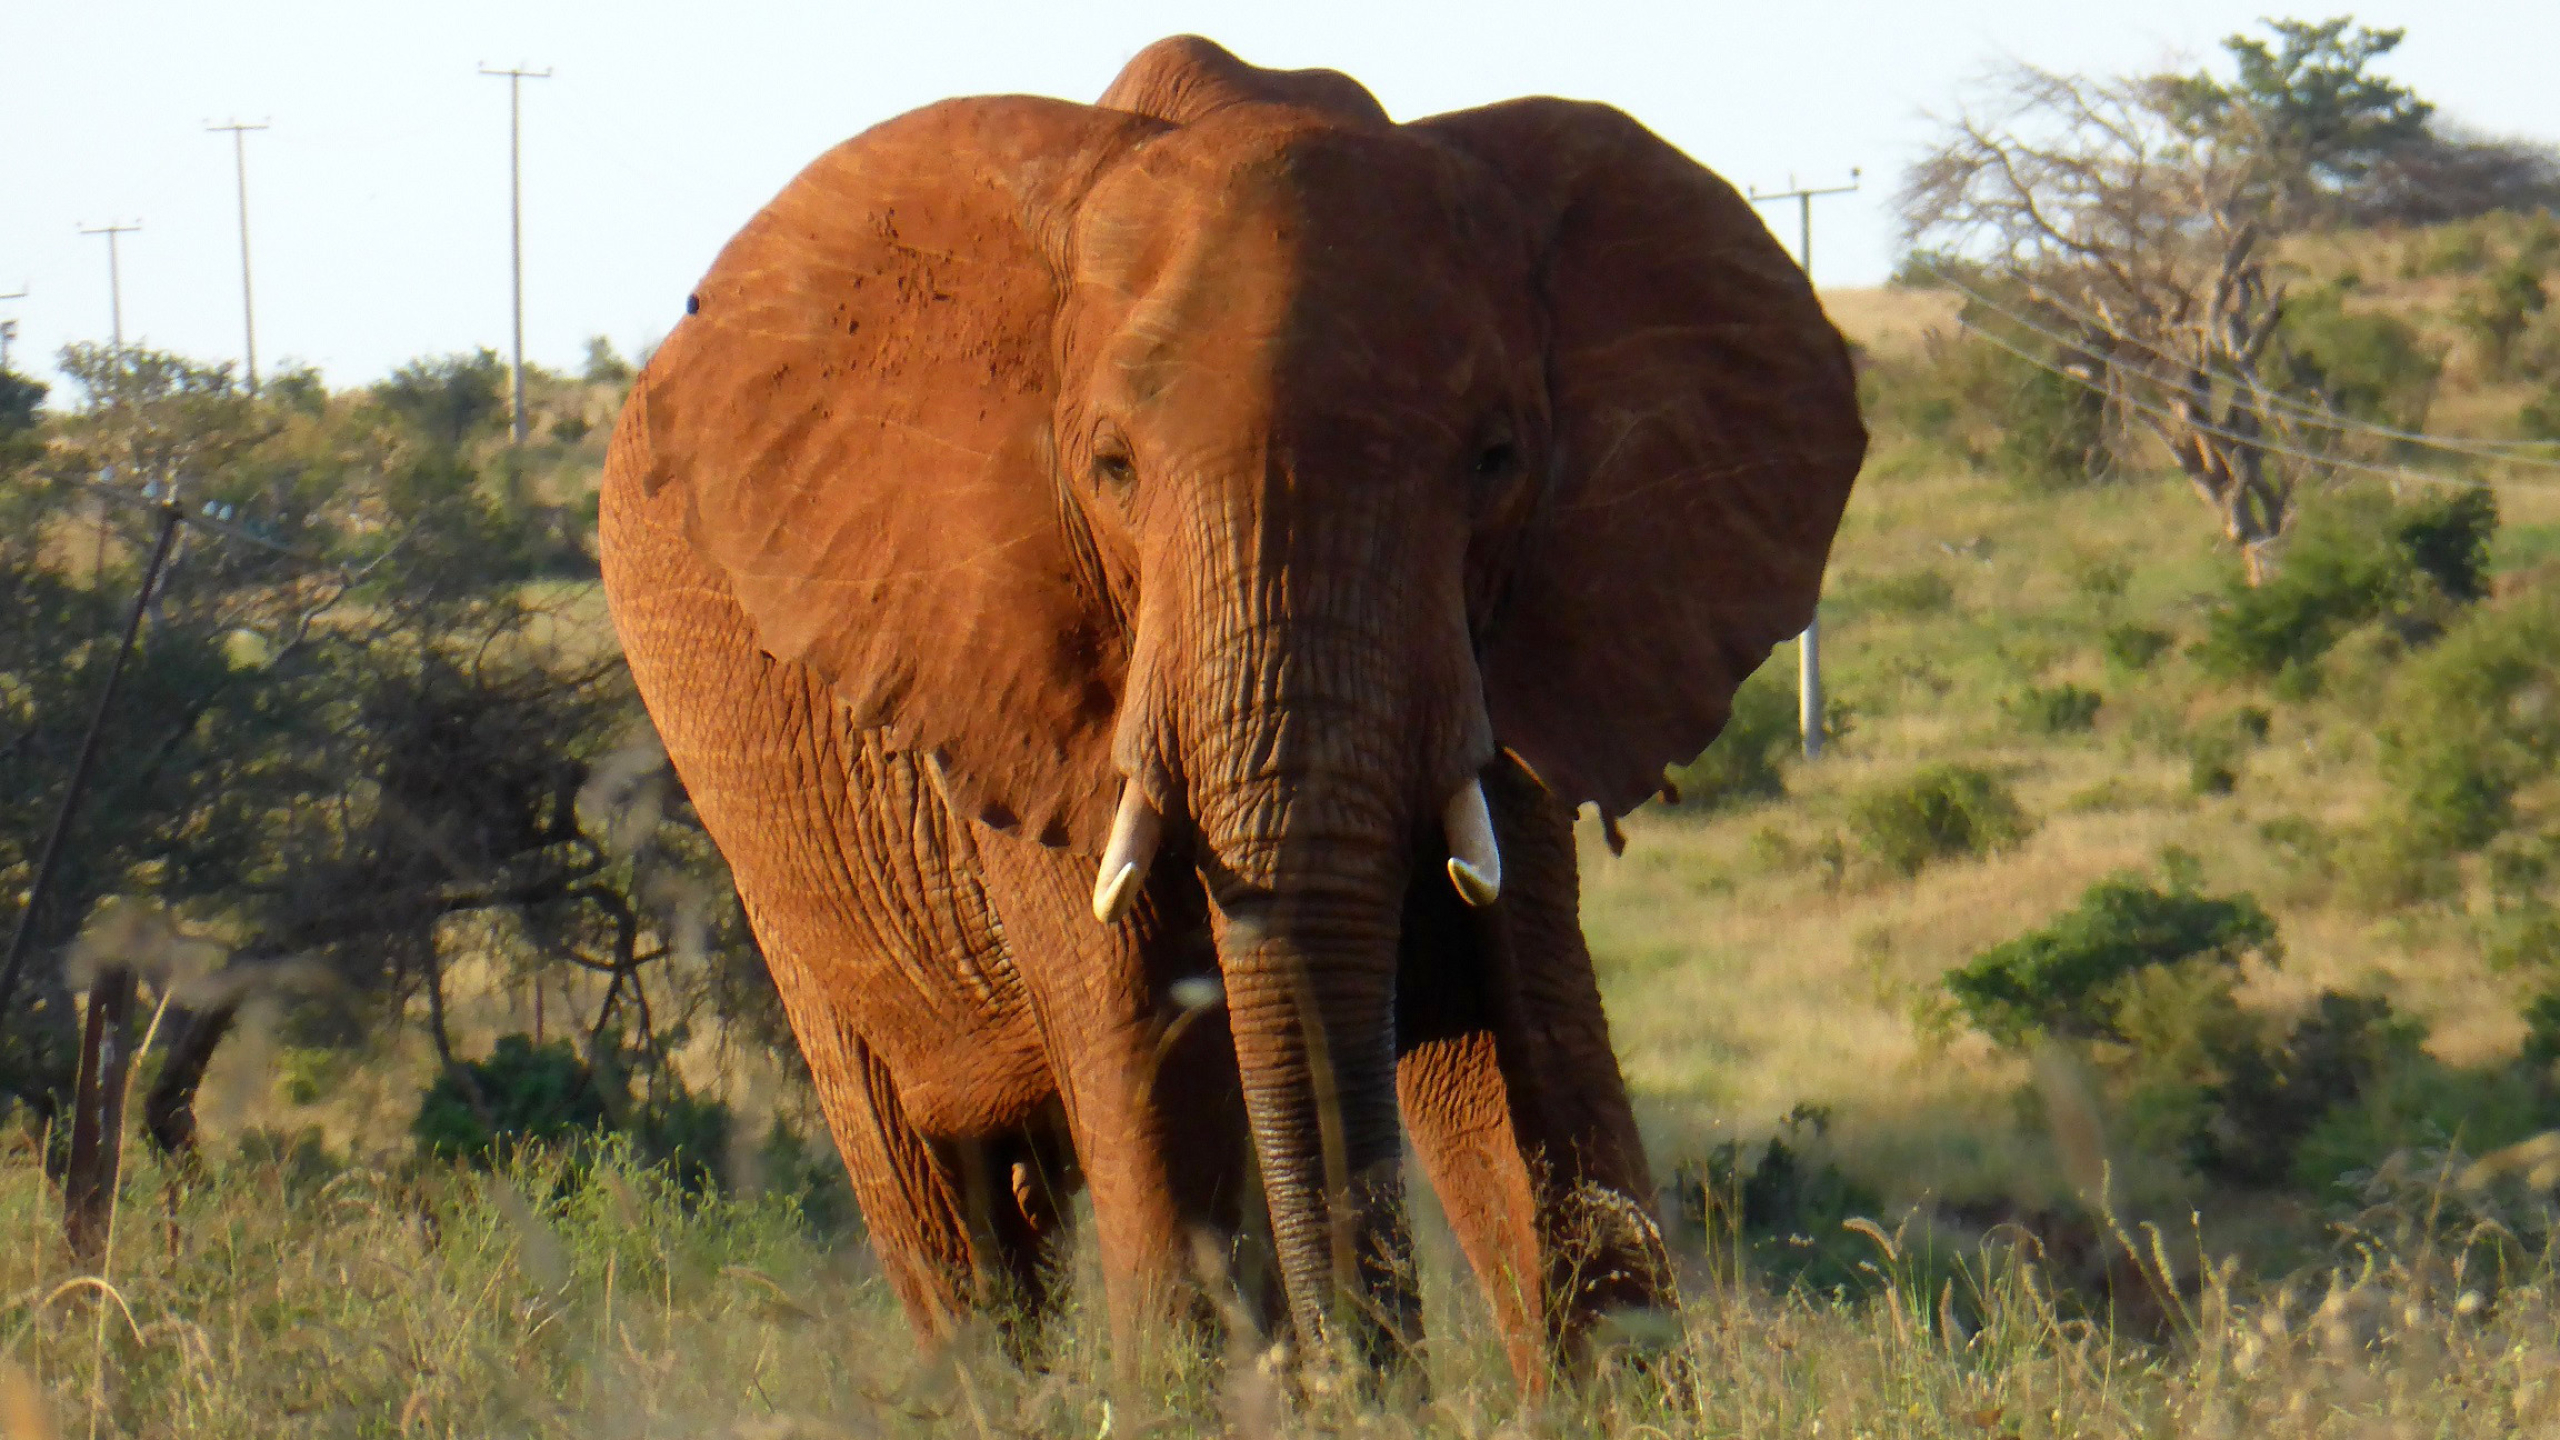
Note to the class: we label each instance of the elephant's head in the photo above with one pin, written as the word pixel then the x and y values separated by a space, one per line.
pixel 1228 464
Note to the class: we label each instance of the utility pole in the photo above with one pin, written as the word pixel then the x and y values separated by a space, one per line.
pixel 9 328
pixel 515 212
pixel 1809 644
pixel 248 310
pixel 115 276
pixel 23 936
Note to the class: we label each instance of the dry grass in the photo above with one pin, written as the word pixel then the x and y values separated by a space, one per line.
pixel 273 1299
pixel 1890 319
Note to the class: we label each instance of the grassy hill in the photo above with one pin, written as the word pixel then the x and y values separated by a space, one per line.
pixel 1892 1220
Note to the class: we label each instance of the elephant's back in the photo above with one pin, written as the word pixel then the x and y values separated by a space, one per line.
pixel 858 881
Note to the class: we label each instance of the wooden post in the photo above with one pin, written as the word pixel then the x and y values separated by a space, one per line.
pixel 97 1119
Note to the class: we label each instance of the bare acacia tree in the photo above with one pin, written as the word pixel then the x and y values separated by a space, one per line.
pixel 2148 241
pixel 2137 214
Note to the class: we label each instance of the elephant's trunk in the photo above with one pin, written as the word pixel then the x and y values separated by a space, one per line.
pixel 1312 754
pixel 1310 981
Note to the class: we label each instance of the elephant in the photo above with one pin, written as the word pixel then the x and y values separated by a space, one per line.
pixel 1140 593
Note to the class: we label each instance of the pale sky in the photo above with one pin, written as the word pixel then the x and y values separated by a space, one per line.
pixel 378 200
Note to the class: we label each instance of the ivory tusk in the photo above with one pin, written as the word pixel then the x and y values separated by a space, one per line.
pixel 1475 861
pixel 1126 860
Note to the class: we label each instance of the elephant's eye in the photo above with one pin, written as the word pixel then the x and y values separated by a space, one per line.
pixel 1497 460
pixel 1112 466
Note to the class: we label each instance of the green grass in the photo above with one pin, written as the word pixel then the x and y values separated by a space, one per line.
pixel 271 1298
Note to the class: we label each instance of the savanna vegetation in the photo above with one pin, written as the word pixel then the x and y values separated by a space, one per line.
pixel 2141 1020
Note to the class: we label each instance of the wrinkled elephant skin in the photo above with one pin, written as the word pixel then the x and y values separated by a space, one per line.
pixel 1138 592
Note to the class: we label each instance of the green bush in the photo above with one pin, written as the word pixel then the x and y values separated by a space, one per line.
pixel 2472 721
pixel 2271 1099
pixel 2419 1104
pixel 2540 418
pixel 1942 812
pixel 2132 646
pixel 2542 1032
pixel 1744 762
pixel 2053 428
pixel 2365 363
pixel 2069 977
pixel 480 1112
pixel 2102 578
pixel 2214 751
pixel 1909 593
pixel 523 1093
pixel 2447 539
pixel 2521 930
pixel 2360 558
pixel 1780 1202
pixel 447 399
pixel 2497 309
pixel 2058 710
pixel 1940 404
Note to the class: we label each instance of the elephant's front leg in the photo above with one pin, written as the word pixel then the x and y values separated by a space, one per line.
pixel 1512 1097
pixel 1147 1074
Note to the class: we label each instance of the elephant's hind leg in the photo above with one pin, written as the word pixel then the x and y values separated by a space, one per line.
pixel 911 1203
pixel 961 1227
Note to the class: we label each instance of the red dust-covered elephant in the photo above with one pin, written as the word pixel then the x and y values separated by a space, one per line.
pixel 1138 592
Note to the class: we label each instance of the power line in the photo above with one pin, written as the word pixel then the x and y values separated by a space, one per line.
pixel 115 275
pixel 515 79
pixel 248 309
pixel 213 518
pixel 2318 417
pixel 51 856
pixel 2256 442
pixel 1809 644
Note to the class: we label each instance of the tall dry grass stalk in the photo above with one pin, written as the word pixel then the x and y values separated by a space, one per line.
pixel 558 1301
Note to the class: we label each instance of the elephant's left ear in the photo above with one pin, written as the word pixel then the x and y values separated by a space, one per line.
pixel 1706 434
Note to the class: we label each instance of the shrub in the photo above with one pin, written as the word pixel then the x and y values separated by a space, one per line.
pixel 2361 558
pixel 2053 427
pixel 2521 930
pixel 2446 539
pixel 2069 977
pixel 2132 646
pixel 1943 811
pixel 603 365
pixel 1912 592
pixel 523 1093
pixel 2102 578
pixel 2364 363
pixel 1743 762
pixel 446 399
pixel 2472 721
pixel 2271 1099
pixel 2059 710
pixel 482 1111
pixel 2499 307
pixel 2542 1032
pixel 2418 1103
pixel 2540 418
pixel 1784 1205
pixel 2215 750
pixel 1941 404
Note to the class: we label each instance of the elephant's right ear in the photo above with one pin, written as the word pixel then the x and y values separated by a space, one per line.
pixel 857 409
